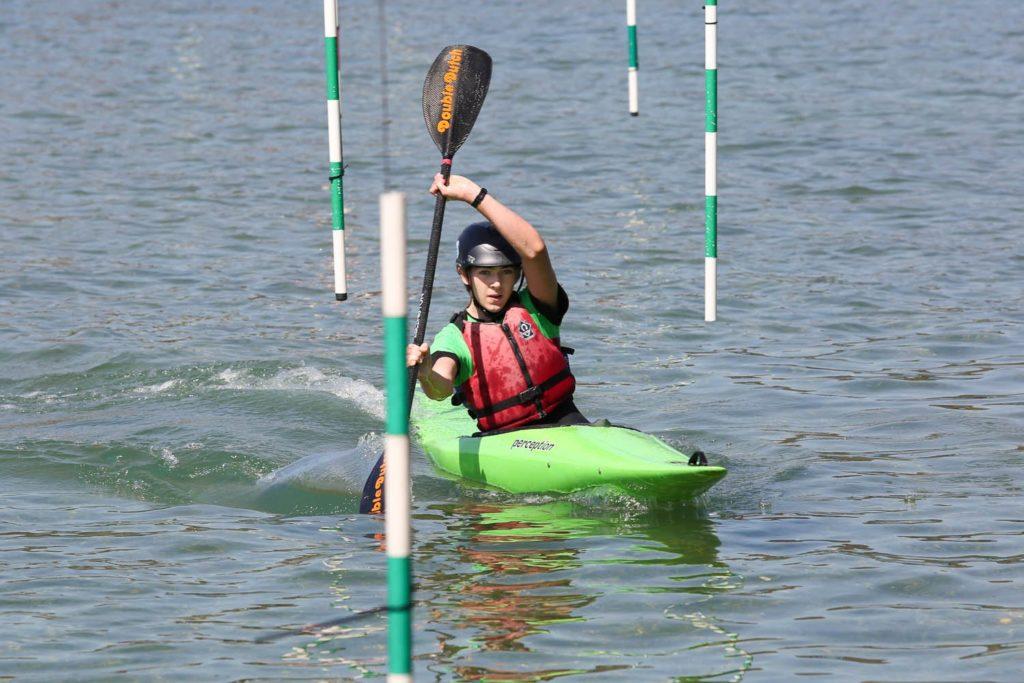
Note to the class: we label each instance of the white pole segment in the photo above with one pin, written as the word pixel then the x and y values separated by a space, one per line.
pixel 334 130
pixel 634 92
pixel 710 288
pixel 330 19
pixel 711 164
pixel 338 251
pixel 393 254
pixel 710 36
pixel 397 514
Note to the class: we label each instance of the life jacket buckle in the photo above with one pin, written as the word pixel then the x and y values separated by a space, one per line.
pixel 529 395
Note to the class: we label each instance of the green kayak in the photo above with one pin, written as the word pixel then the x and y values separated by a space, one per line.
pixel 559 459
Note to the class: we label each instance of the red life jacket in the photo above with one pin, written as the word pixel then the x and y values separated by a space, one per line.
pixel 519 375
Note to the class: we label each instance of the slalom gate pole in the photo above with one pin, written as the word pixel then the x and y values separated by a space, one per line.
pixel 634 95
pixel 398 521
pixel 337 169
pixel 710 160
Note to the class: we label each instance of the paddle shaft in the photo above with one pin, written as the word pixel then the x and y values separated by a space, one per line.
pixel 428 276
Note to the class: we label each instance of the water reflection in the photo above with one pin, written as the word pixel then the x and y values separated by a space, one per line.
pixel 510 585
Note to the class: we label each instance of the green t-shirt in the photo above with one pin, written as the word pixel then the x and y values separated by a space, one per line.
pixel 450 342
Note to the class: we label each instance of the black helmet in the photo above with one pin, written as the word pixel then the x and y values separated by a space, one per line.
pixel 480 244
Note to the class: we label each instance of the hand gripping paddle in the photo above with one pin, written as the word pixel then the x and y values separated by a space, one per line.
pixel 453 94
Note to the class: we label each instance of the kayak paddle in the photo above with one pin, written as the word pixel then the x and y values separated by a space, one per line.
pixel 453 94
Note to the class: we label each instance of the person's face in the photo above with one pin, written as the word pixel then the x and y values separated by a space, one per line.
pixel 492 285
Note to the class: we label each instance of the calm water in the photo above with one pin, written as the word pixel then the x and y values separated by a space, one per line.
pixel 186 415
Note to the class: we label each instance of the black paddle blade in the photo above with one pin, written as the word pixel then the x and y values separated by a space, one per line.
pixel 453 94
pixel 372 500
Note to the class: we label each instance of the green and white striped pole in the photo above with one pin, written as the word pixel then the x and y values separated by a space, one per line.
pixel 337 169
pixel 710 160
pixel 398 521
pixel 634 94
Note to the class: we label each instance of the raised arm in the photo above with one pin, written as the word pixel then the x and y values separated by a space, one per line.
pixel 524 238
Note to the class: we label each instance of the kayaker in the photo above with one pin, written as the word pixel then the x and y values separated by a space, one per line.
pixel 501 354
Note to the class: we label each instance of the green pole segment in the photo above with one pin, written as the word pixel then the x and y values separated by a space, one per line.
pixel 711 100
pixel 634 96
pixel 335 166
pixel 394 367
pixel 399 616
pixel 711 227
pixel 710 160
pixel 398 513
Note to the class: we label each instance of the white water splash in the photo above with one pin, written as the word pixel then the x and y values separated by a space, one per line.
pixel 42 397
pixel 364 395
pixel 158 388
pixel 168 456
pixel 229 376
pixel 334 471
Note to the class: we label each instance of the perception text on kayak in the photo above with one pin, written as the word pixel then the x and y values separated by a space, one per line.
pixel 533 445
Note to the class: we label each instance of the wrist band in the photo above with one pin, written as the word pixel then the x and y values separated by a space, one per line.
pixel 479 197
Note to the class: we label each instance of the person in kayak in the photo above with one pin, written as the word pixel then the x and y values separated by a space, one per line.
pixel 501 354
